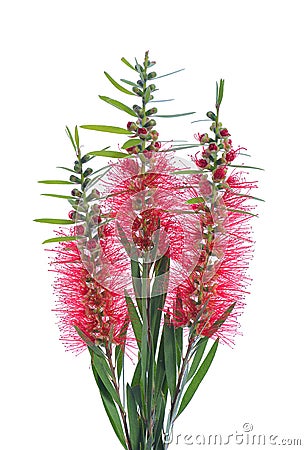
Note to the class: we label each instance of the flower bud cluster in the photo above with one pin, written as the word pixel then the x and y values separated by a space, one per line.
pixel 217 152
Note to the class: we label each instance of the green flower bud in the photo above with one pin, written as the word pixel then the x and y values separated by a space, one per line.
pixel 85 183
pixel 151 75
pixel 88 172
pixel 86 158
pixel 77 167
pixel 75 179
pixel 211 115
pixel 137 91
pixel 151 123
pixel 151 111
pixel 153 87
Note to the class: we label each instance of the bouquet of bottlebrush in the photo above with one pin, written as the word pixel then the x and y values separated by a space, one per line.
pixel 152 260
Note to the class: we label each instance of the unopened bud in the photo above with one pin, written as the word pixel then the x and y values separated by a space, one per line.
pixel 75 179
pixel 151 75
pixel 86 158
pixel 152 87
pixel 76 193
pixel 151 123
pixel 88 172
pixel 85 183
pixel 151 111
pixel 131 126
pixel 137 91
pixel 211 115
pixel 77 167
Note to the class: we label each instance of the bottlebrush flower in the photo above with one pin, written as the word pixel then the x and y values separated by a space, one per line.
pixel 206 296
pixel 84 303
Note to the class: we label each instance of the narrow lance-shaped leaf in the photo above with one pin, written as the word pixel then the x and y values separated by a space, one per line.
pixel 106 129
pixel 54 182
pixel 170 73
pixel 134 428
pixel 61 239
pixel 124 60
pixel 102 368
pixel 118 105
pixel 169 116
pixel 55 221
pixel 71 138
pixel 89 343
pixel 130 83
pixel 117 85
pixel 200 348
pixel 192 388
pixel 110 409
pixel 170 357
pixel 135 319
pixel 131 143
pixel 109 154
pixel 76 137
pixel 66 197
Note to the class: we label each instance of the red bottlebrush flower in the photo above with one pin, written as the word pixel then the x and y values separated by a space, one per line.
pixel 224 132
pixel 204 298
pixel 84 303
pixel 220 173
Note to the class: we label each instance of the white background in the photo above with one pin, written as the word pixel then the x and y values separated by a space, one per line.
pixel 53 56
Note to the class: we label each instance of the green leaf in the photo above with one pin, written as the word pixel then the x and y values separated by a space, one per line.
pixel 168 116
pixel 242 212
pixel 55 182
pixel 106 129
pixel 66 168
pixel 118 105
pixel 200 347
pixel 162 101
pixel 135 319
pixel 195 200
pixel 131 83
pixel 109 154
pixel 119 359
pixel 71 138
pixel 179 345
pixel 137 374
pixel 55 221
pixel 246 195
pixel 167 74
pixel 89 343
pixel 186 172
pixel 61 239
pixel 131 143
pixel 170 357
pixel 134 428
pixel 192 388
pixel 246 167
pixel 117 85
pixel 220 92
pixel 124 60
pixel 102 368
pixel 110 409
pixel 76 137
pixel 67 197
